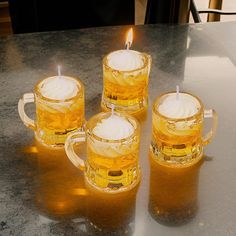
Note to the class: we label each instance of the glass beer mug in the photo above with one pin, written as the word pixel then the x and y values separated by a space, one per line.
pixel 112 151
pixel 125 81
pixel 177 124
pixel 59 104
pixel 176 155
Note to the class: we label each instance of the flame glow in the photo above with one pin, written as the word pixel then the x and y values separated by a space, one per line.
pixel 129 38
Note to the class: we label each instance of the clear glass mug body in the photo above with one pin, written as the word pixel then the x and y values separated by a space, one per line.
pixel 55 119
pixel 180 141
pixel 126 90
pixel 173 193
pixel 111 165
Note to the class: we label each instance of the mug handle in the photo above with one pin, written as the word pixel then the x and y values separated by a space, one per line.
pixel 73 138
pixel 27 98
pixel 211 113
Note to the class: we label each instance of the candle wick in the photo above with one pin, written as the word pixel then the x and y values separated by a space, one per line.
pixel 112 109
pixel 127 45
pixel 177 92
pixel 59 71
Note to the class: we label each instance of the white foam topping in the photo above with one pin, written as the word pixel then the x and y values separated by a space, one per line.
pixel 58 87
pixel 183 107
pixel 113 128
pixel 125 60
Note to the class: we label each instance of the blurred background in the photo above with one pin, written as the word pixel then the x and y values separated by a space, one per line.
pixel 16 15
pixel 227 5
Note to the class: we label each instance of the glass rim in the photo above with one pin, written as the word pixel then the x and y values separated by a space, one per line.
pixel 155 107
pixel 78 94
pixel 100 115
pixel 143 54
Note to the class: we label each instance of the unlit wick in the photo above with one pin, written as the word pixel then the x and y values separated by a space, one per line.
pixel 112 109
pixel 177 92
pixel 178 105
pixel 59 70
pixel 58 87
pixel 114 127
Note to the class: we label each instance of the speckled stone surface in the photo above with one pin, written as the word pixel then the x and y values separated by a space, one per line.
pixel 41 193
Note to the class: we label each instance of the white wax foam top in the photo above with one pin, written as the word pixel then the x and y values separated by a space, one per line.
pixel 183 107
pixel 113 128
pixel 58 87
pixel 125 60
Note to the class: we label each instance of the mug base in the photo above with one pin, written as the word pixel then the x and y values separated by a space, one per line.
pixel 56 145
pixel 185 159
pixel 136 109
pixel 54 141
pixel 115 189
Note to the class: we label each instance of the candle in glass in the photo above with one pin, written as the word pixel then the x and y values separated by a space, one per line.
pixel 125 78
pixel 113 128
pixel 179 105
pixel 117 159
pixel 112 151
pixel 177 123
pixel 58 87
pixel 176 154
pixel 62 110
pixel 59 109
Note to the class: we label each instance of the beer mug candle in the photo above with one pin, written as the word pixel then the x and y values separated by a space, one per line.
pixel 125 79
pixel 59 104
pixel 177 123
pixel 112 151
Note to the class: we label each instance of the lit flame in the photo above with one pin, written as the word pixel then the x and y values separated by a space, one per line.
pixel 129 39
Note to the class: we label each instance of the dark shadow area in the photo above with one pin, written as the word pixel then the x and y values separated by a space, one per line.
pixel 42 15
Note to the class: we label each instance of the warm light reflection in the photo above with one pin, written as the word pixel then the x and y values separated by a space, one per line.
pixel 218 64
pixel 61 205
pixel 129 38
pixel 31 149
pixel 79 191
